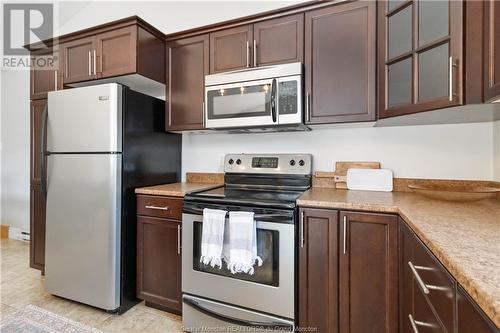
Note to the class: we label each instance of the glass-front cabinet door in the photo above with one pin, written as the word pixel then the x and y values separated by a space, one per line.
pixel 420 54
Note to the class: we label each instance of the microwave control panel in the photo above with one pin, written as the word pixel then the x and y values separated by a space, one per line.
pixel 287 97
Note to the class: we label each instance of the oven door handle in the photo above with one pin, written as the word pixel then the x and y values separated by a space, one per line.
pixel 199 211
pixel 240 322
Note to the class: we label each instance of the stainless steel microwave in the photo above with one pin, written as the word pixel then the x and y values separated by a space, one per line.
pixel 264 98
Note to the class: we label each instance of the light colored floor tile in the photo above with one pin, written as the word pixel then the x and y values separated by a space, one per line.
pixel 134 320
pixel 6 310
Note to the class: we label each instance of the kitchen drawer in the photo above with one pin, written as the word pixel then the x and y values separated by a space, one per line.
pixel 439 285
pixel 158 206
pixel 422 319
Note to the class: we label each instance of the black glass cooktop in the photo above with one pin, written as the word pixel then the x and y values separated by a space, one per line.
pixel 248 196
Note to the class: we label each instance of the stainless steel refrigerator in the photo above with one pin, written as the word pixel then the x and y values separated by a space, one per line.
pixel 101 142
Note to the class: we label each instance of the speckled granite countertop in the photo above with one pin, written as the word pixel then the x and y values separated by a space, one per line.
pixel 175 189
pixel 465 237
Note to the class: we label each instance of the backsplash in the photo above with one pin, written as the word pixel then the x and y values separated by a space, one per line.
pixel 460 151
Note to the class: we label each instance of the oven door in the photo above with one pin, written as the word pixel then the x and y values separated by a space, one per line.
pixel 270 289
pixel 244 104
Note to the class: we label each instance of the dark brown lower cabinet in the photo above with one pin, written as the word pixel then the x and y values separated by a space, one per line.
pixel 318 270
pixel 431 300
pixel 368 267
pixel 159 263
pixel 417 310
pixel 348 271
pixel 470 317
pixel 37 227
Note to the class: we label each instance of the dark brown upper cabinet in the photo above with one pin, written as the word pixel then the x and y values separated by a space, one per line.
pixel 340 66
pixel 318 270
pixel 187 65
pixel 116 52
pixel 44 80
pixel 278 41
pixel 268 42
pixel 77 59
pixel 491 49
pixel 120 48
pixel 368 272
pixel 429 55
pixel 230 49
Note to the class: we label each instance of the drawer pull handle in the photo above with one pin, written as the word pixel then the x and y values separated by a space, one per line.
pixel 179 239
pixel 344 242
pixel 157 207
pixel 414 323
pixel 301 229
pixel 420 282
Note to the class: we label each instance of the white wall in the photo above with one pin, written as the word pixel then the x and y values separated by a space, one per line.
pixel 462 151
pixel 15 122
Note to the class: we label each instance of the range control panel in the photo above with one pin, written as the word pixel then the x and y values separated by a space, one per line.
pixel 300 164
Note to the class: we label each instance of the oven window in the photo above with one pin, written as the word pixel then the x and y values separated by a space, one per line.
pixel 251 101
pixel 267 249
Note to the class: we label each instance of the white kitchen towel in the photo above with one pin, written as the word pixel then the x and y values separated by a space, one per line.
pixel 240 253
pixel 212 237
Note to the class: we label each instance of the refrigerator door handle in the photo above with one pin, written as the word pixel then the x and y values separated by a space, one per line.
pixel 43 153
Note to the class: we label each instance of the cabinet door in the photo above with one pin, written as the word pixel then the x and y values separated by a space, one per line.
pixel 420 56
pixel 230 49
pixel 116 52
pixel 368 265
pixel 470 317
pixel 279 40
pixel 37 227
pixel 340 63
pixel 43 80
pixel 78 60
pixel 491 49
pixel 187 61
pixel 318 270
pixel 36 110
pixel 159 262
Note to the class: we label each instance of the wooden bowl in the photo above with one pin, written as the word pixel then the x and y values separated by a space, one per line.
pixel 455 193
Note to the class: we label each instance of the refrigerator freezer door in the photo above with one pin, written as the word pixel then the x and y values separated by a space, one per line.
pixel 82 256
pixel 87 119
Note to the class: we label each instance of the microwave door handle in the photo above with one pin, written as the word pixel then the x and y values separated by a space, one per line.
pixel 236 321
pixel 273 100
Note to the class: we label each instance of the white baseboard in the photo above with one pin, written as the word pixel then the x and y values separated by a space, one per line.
pixel 19 234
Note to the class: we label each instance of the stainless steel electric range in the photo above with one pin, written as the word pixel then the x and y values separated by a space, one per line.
pixel 216 300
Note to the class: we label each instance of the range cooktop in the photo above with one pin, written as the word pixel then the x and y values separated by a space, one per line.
pixel 248 196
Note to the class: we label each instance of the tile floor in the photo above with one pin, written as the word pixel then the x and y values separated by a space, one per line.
pixel 21 285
